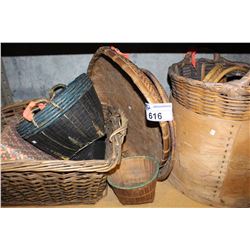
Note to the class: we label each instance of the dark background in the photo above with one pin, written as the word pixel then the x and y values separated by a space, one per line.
pixel 28 49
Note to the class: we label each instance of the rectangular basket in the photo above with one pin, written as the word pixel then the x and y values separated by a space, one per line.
pixel 60 182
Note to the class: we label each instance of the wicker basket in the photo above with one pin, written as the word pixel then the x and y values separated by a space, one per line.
pixel 227 100
pixel 71 120
pixel 212 157
pixel 134 181
pixel 61 182
pixel 121 84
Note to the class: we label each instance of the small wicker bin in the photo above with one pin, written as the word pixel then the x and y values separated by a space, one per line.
pixel 59 182
pixel 135 180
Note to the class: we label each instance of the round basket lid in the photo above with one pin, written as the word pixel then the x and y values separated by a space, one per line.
pixel 120 83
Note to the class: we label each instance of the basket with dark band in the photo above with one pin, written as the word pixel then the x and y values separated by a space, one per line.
pixel 55 182
pixel 71 120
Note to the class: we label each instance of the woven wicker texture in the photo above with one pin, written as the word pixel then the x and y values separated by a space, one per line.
pixel 120 83
pixel 134 181
pixel 58 181
pixel 68 123
pixel 199 89
pixel 212 158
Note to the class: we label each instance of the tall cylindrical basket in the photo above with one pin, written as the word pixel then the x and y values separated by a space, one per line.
pixel 212 117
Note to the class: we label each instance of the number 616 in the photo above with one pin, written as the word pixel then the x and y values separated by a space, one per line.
pixel 155 116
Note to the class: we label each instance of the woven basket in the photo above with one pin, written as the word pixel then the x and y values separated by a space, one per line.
pixel 227 100
pixel 134 181
pixel 61 182
pixel 71 120
pixel 212 156
pixel 121 84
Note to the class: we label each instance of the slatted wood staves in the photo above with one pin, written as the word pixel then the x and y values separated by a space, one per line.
pixel 212 158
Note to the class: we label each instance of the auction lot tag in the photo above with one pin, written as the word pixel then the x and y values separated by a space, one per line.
pixel 159 112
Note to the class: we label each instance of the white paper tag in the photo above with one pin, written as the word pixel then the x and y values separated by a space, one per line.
pixel 212 132
pixel 159 112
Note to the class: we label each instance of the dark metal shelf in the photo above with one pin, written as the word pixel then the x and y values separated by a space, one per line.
pixel 32 49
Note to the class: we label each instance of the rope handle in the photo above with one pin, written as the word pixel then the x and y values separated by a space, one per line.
pixel 53 90
pixel 39 104
pixel 28 113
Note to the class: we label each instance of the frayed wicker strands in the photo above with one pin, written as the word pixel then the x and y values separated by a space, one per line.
pixel 212 118
pixel 135 179
pixel 62 182
pixel 206 96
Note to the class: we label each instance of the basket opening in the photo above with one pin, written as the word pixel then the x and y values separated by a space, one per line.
pixel 236 76
pixel 189 71
pixel 134 172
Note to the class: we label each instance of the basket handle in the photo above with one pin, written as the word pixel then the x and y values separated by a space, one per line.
pixel 229 70
pixel 52 91
pixel 33 106
pixel 213 73
pixel 117 139
pixel 167 165
pixel 28 113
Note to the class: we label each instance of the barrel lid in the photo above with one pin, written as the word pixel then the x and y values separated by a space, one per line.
pixel 120 83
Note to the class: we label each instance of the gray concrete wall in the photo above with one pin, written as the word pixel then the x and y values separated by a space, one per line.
pixel 33 76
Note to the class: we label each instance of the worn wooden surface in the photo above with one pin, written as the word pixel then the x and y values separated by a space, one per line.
pixel 212 159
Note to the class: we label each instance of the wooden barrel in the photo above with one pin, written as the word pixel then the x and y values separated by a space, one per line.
pixel 212 158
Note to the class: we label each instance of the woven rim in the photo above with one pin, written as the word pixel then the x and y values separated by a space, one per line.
pixel 100 166
pixel 142 82
pixel 168 166
pixel 238 87
pixel 139 185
